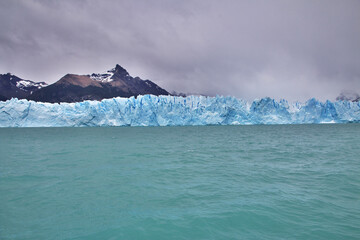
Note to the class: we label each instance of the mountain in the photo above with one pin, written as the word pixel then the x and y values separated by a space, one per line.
pixel 349 96
pixel 13 86
pixel 113 83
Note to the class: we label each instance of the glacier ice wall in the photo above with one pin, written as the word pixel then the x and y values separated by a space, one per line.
pixel 149 110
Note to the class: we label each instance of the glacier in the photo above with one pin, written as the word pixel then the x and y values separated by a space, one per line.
pixel 150 110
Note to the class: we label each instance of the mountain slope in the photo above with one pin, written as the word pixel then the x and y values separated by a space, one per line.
pixel 348 96
pixel 13 86
pixel 114 83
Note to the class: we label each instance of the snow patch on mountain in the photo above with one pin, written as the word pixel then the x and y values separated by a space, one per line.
pixel 24 84
pixel 102 77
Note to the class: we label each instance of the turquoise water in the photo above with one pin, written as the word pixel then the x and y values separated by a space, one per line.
pixel 209 182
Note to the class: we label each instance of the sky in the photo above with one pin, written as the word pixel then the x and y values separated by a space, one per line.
pixel 248 49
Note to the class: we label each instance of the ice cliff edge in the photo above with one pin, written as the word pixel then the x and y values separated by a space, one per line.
pixel 150 110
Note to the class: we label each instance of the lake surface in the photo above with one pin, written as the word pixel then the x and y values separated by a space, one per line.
pixel 206 182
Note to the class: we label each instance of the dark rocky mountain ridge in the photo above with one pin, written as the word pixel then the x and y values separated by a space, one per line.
pixel 12 86
pixel 349 96
pixel 74 88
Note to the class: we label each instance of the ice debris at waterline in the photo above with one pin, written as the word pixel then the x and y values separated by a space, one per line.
pixel 149 110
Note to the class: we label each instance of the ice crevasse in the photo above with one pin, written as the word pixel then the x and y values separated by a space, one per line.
pixel 149 110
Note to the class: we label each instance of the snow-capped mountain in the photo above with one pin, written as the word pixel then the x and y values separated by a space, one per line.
pixel 103 77
pixel 26 85
pixel 13 86
pixel 116 82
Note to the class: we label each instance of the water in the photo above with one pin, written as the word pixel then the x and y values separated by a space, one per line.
pixel 209 182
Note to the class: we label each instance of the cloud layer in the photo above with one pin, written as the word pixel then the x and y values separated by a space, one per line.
pixel 248 49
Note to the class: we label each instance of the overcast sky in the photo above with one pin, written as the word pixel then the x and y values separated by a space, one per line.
pixel 248 49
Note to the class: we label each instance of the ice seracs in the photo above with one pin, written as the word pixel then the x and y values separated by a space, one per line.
pixel 150 110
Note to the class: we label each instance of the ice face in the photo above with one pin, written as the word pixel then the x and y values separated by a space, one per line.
pixel 149 110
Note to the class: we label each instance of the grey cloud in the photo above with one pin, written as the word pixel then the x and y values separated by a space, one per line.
pixel 248 49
